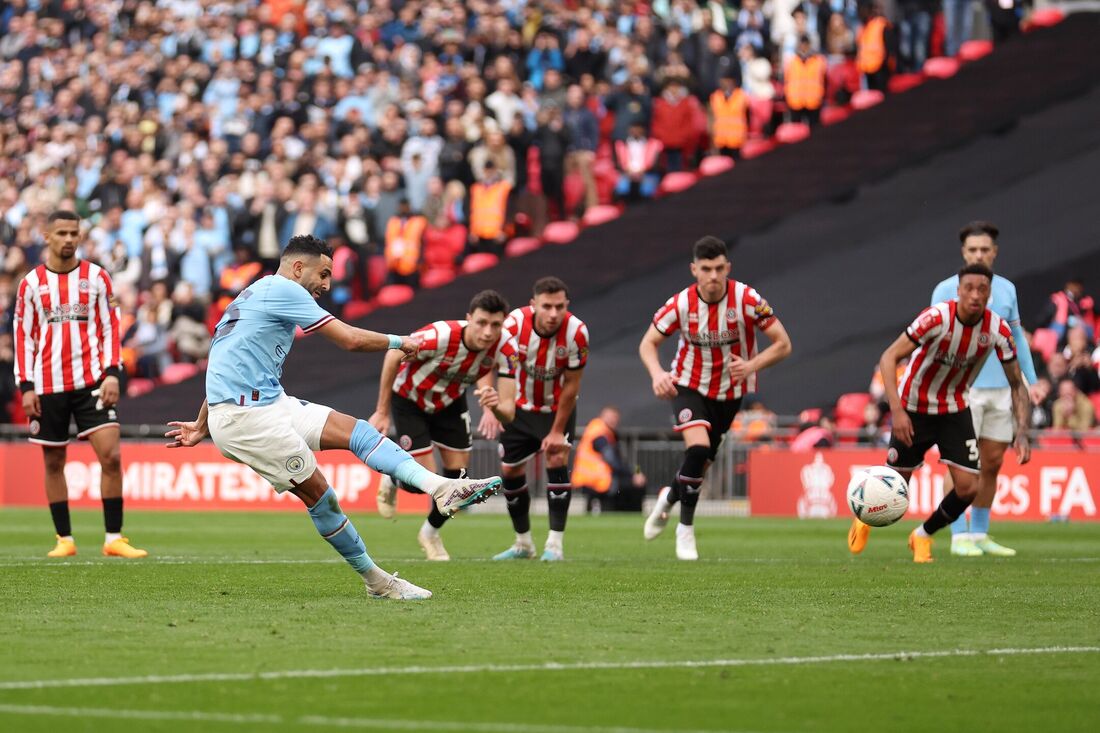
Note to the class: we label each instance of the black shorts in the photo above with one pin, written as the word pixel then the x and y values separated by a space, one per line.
pixel 417 430
pixel 692 409
pixel 59 410
pixel 952 433
pixel 522 438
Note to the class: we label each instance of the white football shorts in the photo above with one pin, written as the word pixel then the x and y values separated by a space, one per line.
pixel 992 413
pixel 276 441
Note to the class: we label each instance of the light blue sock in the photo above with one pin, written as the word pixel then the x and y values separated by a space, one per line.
pixel 979 520
pixel 385 456
pixel 959 526
pixel 336 529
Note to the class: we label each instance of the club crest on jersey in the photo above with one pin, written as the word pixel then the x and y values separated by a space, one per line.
pixel 487 362
pixel 892 455
pixel 560 352
pixel 295 464
pixel 685 415
pixel 983 339
pixel 83 286
pixel 405 442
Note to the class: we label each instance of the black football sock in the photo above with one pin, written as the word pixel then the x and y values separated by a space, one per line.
pixel 518 499
pixel 950 509
pixel 690 480
pixel 62 524
pixel 112 515
pixel 559 492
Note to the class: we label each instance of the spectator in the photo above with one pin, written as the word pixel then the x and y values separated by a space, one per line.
pixel 821 434
pixel 1042 416
pixel 958 24
pixel 1004 18
pixel 871 432
pixel 496 150
pixel 149 339
pixel 674 116
pixel 404 241
pixel 599 469
pixel 631 106
pixel 840 40
pixel 238 275
pixel 543 57
pixel 914 33
pixel 552 140
pixel 636 158
pixel 488 211
pixel 804 83
pixel 1068 308
pixel 584 139
pixel 709 58
pixel 873 47
pixel 756 73
pixel 800 27
pixel 188 329
pixel 1079 364
pixel 1072 410
pixel 729 121
pixel 504 103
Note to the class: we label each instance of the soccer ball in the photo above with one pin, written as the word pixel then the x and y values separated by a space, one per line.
pixel 878 496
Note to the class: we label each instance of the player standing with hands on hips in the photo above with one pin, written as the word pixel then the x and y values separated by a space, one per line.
pixel 714 367
pixel 67 366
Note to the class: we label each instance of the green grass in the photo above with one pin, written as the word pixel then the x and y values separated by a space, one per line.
pixel 210 600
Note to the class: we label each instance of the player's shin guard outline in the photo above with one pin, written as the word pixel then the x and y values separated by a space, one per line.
pixel 336 529
pixel 518 499
pixel 690 479
pixel 559 493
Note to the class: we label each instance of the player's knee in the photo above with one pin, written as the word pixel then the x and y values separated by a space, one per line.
pixel 54 459
pixel 111 461
pixel 968 488
pixel 695 460
pixel 991 465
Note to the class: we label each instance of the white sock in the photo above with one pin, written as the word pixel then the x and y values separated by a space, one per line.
pixel 978 537
pixel 67 537
pixel 111 537
pixel 554 539
pixel 962 536
pixel 685 530
pixel 428 530
pixel 524 539
pixel 921 533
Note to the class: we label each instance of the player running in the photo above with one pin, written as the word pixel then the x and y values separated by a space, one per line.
pixel 552 350
pixel 253 421
pixel 990 397
pixel 67 366
pixel 949 342
pixel 427 394
pixel 715 366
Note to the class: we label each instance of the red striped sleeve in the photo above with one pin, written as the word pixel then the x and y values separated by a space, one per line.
pixel 26 333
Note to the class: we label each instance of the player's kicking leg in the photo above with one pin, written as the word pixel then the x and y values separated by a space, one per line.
pixel 684 489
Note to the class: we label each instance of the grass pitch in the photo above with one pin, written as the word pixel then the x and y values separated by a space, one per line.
pixel 248 622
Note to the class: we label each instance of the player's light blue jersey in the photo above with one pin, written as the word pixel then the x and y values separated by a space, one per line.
pixel 254 337
pixel 1002 301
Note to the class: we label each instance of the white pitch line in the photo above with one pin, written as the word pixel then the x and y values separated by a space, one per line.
pixel 516 668
pixel 328 722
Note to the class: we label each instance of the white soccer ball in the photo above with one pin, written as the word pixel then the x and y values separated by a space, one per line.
pixel 878 496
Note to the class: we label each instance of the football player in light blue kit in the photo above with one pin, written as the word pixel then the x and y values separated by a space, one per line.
pixel 252 421
pixel 990 396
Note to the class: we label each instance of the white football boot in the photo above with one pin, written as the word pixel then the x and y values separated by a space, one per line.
pixel 399 589
pixel 658 518
pixel 685 543
pixel 458 493
pixel 387 498
pixel 432 545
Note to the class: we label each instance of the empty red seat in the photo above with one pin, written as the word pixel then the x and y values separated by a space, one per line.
pixel 833 115
pixel 574 193
pixel 941 67
pixel 521 246
pixel 974 50
pixel 436 278
pixel 850 407
pixel 760 114
pixel 479 261
pixel 792 132
pixel 604 167
pixel 596 215
pixel 1045 341
pixel 713 165
pixel 175 373
pixel 1045 18
pixel 355 309
pixel 1091 443
pixel 755 148
pixel 1057 440
pixel 867 98
pixel 904 82
pixel 677 182
pixel 560 232
pixel 391 295
pixel 137 387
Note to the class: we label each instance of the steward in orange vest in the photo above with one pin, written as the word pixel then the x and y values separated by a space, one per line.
pixel 804 83
pixel 729 117
pixel 598 469
pixel 489 211
pixel 873 48
pixel 404 236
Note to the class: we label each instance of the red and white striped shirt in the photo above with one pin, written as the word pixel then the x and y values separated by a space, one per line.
pixel 948 358
pixel 543 360
pixel 710 333
pixel 66 328
pixel 444 367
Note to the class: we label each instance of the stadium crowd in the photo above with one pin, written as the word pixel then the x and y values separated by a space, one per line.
pixel 419 137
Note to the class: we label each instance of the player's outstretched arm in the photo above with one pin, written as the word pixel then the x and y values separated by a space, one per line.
pixel 902 426
pixel 1021 409
pixel 351 338
pixel 779 349
pixel 187 434
pixel 664 386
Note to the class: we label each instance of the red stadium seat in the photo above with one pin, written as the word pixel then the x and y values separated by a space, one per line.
pixel 833 115
pixel 574 194
pixel 677 182
pixel 867 98
pixel 355 309
pixel 1045 342
pixel 534 171
pixel 479 261
pixel 521 246
pixel 1091 443
pixel 436 278
pixel 1044 18
pixel 941 67
pixel 137 387
pixel 849 409
pixel 755 148
pixel 602 214
pixel 714 165
pixel 904 82
pixel 760 114
pixel 438 253
pixel 560 232
pixel 175 373
pixel 974 50
pixel 604 167
pixel 1057 440
pixel 392 295
pixel 792 132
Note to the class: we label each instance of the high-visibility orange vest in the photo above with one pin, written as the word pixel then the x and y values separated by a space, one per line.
pixel 589 468
pixel 730 121
pixel 488 206
pixel 872 45
pixel 805 82
pixel 403 238
pixel 236 278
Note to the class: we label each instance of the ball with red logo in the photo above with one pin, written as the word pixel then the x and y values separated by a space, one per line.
pixel 878 496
